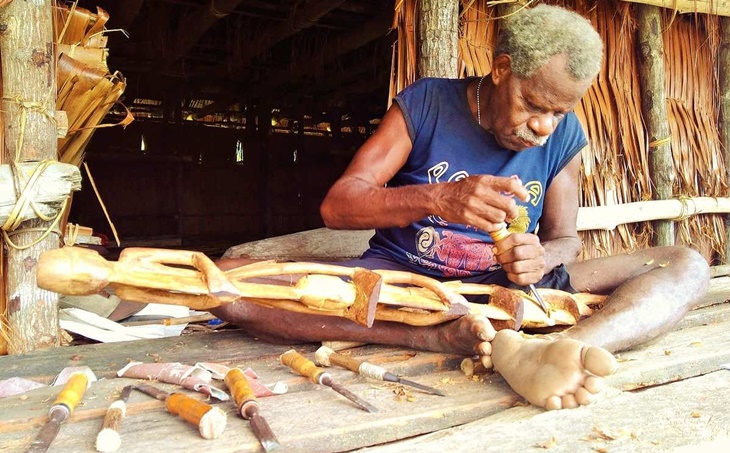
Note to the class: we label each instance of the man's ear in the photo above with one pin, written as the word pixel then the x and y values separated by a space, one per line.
pixel 501 68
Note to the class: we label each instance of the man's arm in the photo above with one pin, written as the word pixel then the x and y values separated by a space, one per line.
pixel 360 200
pixel 558 231
pixel 526 258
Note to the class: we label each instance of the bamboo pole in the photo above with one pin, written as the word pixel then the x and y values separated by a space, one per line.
pixel 724 122
pixel 29 88
pixel 438 35
pixel 654 109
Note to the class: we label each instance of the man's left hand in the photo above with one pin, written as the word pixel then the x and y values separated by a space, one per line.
pixel 522 257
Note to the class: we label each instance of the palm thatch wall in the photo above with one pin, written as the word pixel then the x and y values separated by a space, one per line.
pixel 616 162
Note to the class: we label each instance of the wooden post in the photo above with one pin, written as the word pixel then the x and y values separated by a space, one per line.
pixel 3 262
pixel 438 36
pixel 28 105
pixel 654 110
pixel 724 126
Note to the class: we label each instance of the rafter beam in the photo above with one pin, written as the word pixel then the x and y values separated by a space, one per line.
pixel 373 29
pixel 195 24
pixel 125 12
pixel 304 18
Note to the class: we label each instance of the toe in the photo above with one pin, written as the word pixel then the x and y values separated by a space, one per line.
pixel 483 329
pixel 583 396
pixel 569 402
pixel 484 348
pixel 593 384
pixel 486 361
pixel 553 403
pixel 598 361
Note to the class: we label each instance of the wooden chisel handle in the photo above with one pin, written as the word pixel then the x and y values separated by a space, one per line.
pixel 211 421
pixel 72 392
pixel 241 391
pixel 302 365
pixel 326 356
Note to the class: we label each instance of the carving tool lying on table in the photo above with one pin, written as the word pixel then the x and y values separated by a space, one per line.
pixel 248 407
pixel 307 368
pixel 326 357
pixel 211 421
pixel 61 409
pixel 108 439
pixel 502 233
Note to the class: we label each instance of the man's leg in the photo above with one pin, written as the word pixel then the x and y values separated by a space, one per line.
pixel 468 335
pixel 649 292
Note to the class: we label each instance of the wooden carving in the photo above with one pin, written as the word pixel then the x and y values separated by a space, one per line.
pixel 190 278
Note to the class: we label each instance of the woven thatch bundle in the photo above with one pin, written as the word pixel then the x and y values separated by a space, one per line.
pixel 86 88
pixel 616 161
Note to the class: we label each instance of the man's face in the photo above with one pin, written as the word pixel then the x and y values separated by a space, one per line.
pixel 527 111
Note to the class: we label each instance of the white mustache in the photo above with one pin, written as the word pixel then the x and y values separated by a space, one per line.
pixel 527 135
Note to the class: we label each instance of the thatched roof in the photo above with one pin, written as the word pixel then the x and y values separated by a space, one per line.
pixel 314 55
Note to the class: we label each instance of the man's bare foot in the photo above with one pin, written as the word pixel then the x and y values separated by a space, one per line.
pixel 560 374
pixel 469 335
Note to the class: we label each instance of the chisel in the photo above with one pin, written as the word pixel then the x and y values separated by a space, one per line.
pixel 249 408
pixel 501 233
pixel 307 368
pixel 108 439
pixel 211 421
pixel 60 410
pixel 326 356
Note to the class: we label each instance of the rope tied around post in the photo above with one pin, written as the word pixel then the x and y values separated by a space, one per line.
pixel 24 201
pixel 24 189
pixel 685 211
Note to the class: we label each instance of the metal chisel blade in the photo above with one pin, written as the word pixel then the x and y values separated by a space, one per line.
pixel 263 432
pixel 425 388
pixel 542 303
pixel 46 435
pixel 362 404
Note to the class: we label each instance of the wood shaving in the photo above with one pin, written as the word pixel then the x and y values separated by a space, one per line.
pixel 696 344
pixel 611 434
pixel 550 443
pixel 696 414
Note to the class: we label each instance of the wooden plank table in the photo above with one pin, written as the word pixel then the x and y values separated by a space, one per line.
pixel 311 418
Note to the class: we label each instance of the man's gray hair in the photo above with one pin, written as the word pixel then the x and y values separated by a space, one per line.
pixel 533 35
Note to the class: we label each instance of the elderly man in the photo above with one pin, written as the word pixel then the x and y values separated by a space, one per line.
pixel 451 161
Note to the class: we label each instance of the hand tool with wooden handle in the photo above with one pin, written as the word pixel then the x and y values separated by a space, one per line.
pixel 326 357
pixel 307 368
pixel 211 421
pixel 249 408
pixel 60 410
pixel 502 233
pixel 108 439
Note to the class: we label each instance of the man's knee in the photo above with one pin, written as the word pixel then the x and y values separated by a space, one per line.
pixel 688 262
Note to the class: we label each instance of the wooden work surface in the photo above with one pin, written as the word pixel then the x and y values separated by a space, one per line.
pixel 690 408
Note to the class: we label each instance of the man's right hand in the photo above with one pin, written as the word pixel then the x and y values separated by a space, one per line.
pixel 481 201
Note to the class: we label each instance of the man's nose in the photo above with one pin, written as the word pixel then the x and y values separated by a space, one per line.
pixel 543 125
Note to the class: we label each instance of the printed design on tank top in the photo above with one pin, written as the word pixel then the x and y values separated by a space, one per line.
pixel 458 255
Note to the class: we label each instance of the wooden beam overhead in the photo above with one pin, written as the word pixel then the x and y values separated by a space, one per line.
pixel 125 12
pixel 303 18
pixel 371 30
pixel 196 23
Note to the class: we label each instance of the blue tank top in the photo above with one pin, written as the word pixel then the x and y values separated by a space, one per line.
pixel 448 145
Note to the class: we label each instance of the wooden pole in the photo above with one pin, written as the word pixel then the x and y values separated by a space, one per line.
pixel 438 36
pixel 28 106
pixel 654 110
pixel 724 126
pixel 3 262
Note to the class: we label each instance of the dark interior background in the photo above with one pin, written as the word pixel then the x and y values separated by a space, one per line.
pixel 245 113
